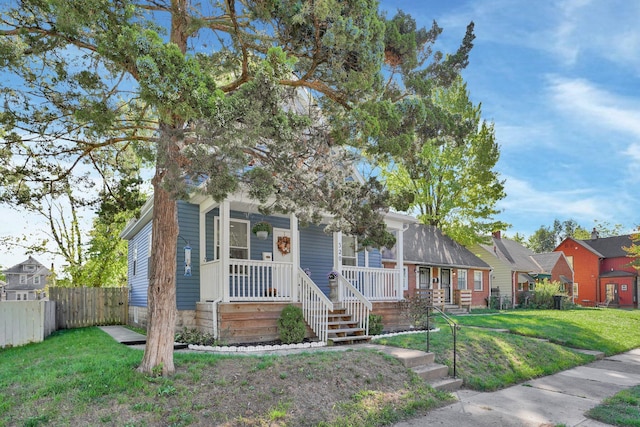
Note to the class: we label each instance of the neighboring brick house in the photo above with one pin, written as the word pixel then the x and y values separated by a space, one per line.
pixel 602 270
pixel 433 260
pixel 516 268
pixel 25 281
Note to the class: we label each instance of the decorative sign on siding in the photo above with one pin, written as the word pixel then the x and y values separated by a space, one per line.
pixel 187 261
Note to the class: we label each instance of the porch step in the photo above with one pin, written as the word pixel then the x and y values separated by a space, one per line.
pixel 342 329
pixel 455 309
pixel 350 339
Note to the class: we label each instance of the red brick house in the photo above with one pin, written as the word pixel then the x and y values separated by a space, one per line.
pixel 602 270
pixel 435 262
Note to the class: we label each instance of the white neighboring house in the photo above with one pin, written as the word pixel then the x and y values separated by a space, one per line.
pixel 25 281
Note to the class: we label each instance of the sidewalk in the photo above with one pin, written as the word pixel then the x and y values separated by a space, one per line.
pixel 562 398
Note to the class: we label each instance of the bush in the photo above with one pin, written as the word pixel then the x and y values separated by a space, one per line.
pixel 375 324
pixel 194 336
pixel 291 325
pixel 544 293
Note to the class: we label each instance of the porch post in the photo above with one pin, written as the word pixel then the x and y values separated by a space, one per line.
pixel 224 249
pixel 295 256
pixel 400 263
pixel 203 251
pixel 337 259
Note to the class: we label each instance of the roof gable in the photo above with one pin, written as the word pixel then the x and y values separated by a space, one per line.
pixel 513 254
pixel 426 244
pixel 609 247
pixel 38 268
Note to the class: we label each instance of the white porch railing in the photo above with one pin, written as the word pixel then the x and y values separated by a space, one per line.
pixel 376 284
pixel 315 306
pixel 355 304
pixel 251 280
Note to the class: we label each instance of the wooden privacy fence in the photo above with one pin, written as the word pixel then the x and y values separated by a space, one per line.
pixel 23 322
pixel 80 307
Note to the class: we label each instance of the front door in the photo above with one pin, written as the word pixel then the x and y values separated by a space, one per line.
pixel 611 290
pixel 445 283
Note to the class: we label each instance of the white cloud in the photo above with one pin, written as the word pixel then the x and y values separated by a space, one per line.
pixel 524 198
pixel 585 102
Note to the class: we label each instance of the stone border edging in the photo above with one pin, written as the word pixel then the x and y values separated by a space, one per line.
pixel 256 348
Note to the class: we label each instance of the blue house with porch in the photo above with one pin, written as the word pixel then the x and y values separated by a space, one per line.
pixel 233 284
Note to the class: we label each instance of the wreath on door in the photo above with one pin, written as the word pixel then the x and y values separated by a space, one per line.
pixel 284 244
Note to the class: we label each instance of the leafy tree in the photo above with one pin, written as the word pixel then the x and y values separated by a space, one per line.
pixel 633 251
pixel 449 178
pixel 219 92
pixel 546 238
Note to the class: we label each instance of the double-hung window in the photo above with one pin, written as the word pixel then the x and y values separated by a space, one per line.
pixel 477 280
pixel 462 279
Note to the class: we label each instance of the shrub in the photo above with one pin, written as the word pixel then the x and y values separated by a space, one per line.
pixel 544 293
pixel 194 336
pixel 291 325
pixel 375 324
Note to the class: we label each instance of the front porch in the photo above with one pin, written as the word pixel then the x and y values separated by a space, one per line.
pixel 289 266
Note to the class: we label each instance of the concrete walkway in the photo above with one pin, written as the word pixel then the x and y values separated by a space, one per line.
pixel 562 398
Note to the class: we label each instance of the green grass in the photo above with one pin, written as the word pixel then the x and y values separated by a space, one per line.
pixel 488 360
pixel 623 409
pixel 84 377
pixel 608 330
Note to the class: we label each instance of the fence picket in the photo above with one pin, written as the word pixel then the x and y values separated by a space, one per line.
pixel 80 307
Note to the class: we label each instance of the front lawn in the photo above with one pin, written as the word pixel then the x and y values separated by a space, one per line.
pixel 608 330
pixel 83 377
pixel 488 360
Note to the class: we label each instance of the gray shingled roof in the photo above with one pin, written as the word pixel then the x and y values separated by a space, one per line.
pixel 608 247
pixel 547 260
pixel 17 269
pixel 512 253
pixel 425 244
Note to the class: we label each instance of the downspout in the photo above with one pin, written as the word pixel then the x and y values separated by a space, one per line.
pixel 513 289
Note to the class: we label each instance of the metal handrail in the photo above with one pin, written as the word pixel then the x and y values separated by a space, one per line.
pixel 454 328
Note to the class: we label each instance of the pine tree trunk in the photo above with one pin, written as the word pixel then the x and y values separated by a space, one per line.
pixel 161 302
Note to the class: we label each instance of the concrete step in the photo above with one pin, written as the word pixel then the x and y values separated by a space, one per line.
pixel 432 371
pixel 411 358
pixel 447 384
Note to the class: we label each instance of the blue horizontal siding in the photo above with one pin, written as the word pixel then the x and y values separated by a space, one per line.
pixel 316 254
pixel 188 287
pixel 138 281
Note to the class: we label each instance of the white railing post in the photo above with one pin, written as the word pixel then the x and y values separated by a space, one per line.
pixel 295 256
pixel 224 249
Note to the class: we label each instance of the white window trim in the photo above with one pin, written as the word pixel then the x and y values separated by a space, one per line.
pixel 476 274
pixel 405 278
pixel 355 251
pixel 216 234
pixel 23 279
pixel 36 280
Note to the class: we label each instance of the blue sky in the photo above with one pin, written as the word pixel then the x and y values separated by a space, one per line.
pixel 561 82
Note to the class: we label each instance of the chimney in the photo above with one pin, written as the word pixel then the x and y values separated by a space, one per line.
pixel 496 234
pixel 594 233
